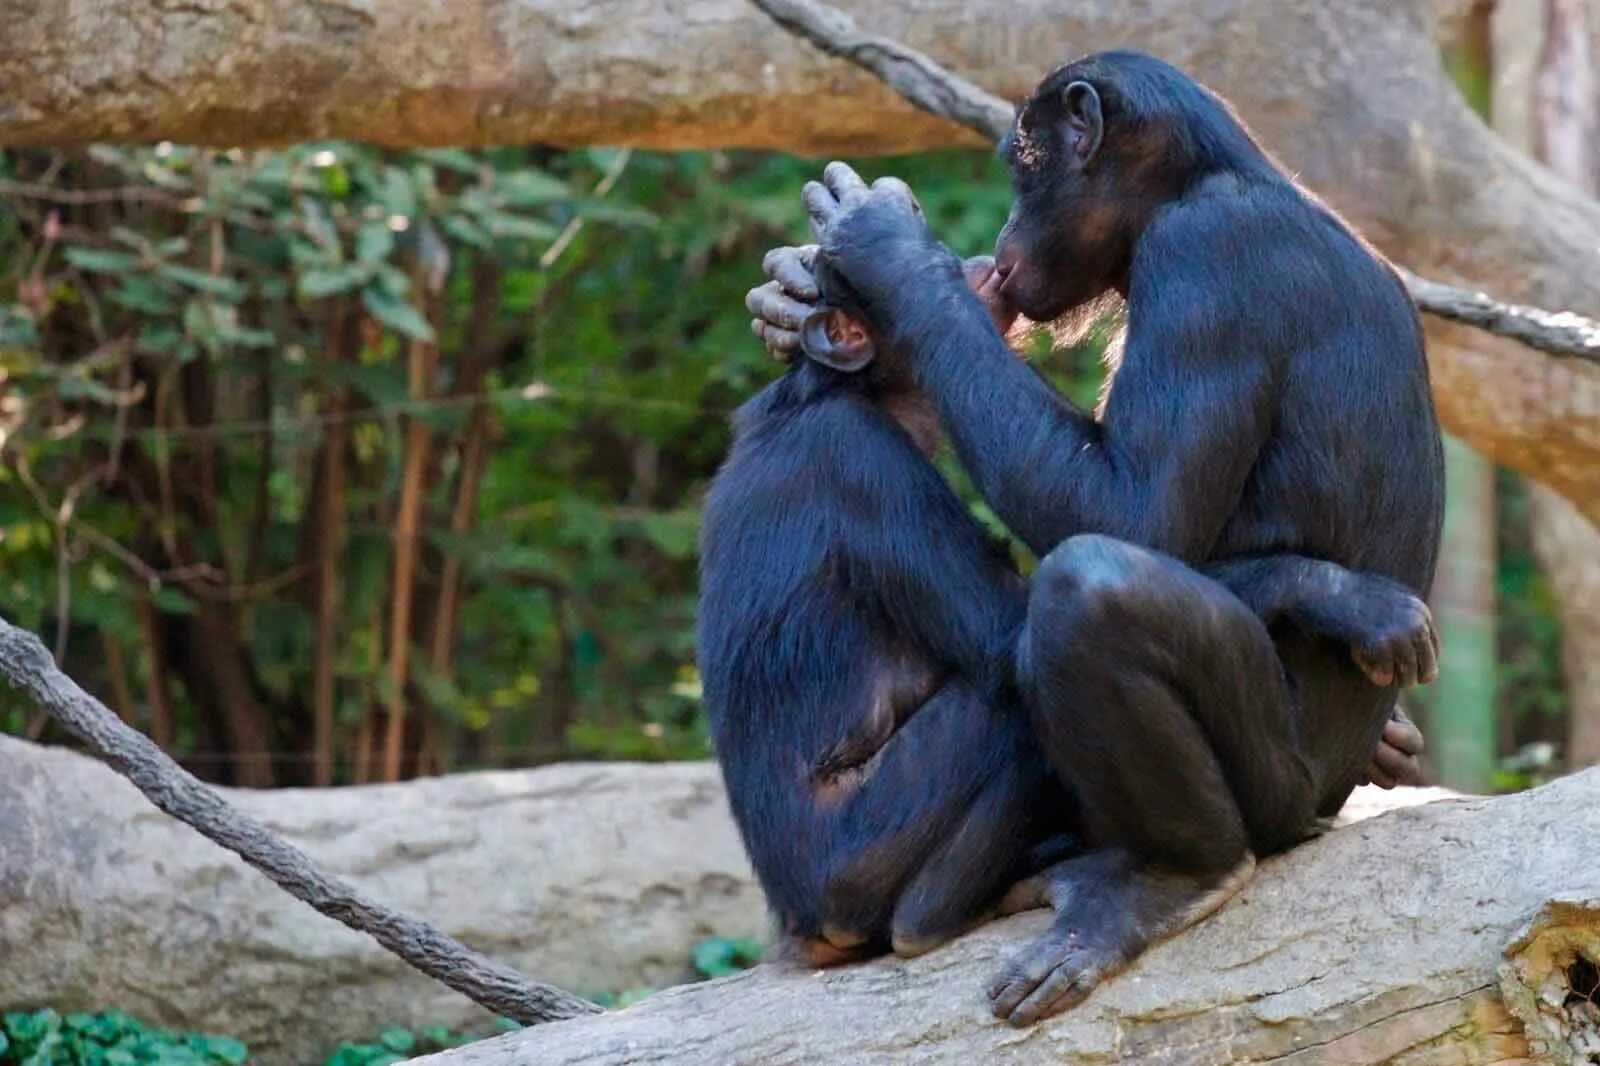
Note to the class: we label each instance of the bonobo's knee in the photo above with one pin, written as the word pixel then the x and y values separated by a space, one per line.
pixel 1089 578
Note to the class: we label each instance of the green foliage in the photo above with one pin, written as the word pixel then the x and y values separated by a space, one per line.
pixel 621 350
pixel 109 1038
pixel 397 1045
pixel 720 956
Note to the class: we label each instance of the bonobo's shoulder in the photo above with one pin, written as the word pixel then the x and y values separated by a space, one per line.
pixel 1226 209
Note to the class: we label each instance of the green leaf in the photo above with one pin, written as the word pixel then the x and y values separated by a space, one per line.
pixel 374 242
pixel 145 295
pixel 396 313
pixel 319 283
pixel 169 600
pixel 462 162
pixel 397 1039
pixel 218 285
pixel 617 214
pixel 160 338
pixel 506 225
pixel 98 261
pixel 531 188
pixel 466 231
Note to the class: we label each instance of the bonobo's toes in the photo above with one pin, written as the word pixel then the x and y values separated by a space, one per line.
pixel 1109 908
pixel 1053 973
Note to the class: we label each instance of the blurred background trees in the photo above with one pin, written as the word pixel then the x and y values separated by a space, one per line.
pixel 334 464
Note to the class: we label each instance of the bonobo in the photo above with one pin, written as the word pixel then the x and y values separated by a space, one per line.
pixel 1271 400
pixel 857 627
pixel 855 632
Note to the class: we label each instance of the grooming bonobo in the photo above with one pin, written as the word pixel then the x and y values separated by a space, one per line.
pixel 1209 651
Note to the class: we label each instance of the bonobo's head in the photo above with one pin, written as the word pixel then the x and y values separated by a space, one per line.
pixel 1100 145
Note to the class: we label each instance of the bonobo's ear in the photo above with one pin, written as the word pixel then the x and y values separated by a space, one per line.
pixel 833 338
pixel 1085 124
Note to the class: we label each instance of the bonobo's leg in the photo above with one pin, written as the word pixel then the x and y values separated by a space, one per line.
pixel 922 840
pixel 961 882
pixel 1159 696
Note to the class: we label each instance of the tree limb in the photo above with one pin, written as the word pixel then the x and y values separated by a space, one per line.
pixel 941 92
pixel 1403 939
pixel 25 662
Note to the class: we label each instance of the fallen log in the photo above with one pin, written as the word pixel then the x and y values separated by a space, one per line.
pixel 595 877
pixel 1382 942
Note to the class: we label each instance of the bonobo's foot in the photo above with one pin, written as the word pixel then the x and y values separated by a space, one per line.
pixel 1397 760
pixel 1109 908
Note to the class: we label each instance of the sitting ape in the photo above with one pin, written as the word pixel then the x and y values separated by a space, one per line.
pixel 1271 400
pixel 857 626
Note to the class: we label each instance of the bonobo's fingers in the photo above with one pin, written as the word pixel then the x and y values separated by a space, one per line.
pixel 898 189
pixel 771 303
pixel 1428 655
pixel 1402 733
pixel 821 206
pixel 792 268
pixel 845 184
pixel 782 344
pixel 1379 669
pixel 1395 761
pixel 984 280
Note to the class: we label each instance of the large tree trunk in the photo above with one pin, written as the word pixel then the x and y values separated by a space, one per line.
pixel 1547 102
pixel 597 878
pixel 1350 93
pixel 1385 943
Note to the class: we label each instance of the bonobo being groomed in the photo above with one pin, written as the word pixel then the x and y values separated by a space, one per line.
pixel 1231 550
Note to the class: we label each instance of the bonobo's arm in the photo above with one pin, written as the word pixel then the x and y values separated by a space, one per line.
pixel 1185 421
pixel 1389 631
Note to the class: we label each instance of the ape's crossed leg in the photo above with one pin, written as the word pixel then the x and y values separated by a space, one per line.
pixel 1161 696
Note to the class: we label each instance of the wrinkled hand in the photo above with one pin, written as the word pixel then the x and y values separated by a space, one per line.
pixel 1404 648
pixel 1396 761
pixel 792 293
pixel 872 237
pixel 782 304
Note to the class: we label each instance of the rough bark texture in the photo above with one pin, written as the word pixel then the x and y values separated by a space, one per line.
pixel 28 667
pixel 1350 93
pixel 1546 97
pixel 1382 942
pixel 593 877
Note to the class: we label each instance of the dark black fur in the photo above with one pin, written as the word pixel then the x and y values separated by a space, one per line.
pixel 855 631
pixel 1272 399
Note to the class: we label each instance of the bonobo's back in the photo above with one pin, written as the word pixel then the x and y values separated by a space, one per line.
pixel 779 623
pixel 799 627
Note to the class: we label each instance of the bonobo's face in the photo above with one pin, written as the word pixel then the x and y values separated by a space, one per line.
pixel 1067 239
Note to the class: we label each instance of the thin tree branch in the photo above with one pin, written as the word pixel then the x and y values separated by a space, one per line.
pixel 941 92
pixel 1559 333
pixel 26 663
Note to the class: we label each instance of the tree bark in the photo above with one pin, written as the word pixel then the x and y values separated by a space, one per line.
pixel 420 361
pixel 578 872
pixel 1385 942
pixel 1547 102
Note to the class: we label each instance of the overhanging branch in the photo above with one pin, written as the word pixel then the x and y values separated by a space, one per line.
pixel 937 90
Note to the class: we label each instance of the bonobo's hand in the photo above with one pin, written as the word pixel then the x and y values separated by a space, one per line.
pixel 1395 762
pixel 873 239
pixel 984 279
pixel 1396 642
pixel 792 293
pixel 782 304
